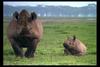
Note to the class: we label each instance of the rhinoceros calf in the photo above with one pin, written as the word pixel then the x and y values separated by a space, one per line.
pixel 74 46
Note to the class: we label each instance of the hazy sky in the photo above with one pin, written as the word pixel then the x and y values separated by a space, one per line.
pixel 57 3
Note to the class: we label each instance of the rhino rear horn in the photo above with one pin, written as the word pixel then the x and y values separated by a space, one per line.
pixel 74 37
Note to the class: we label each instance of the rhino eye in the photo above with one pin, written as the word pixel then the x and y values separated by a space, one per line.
pixel 70 43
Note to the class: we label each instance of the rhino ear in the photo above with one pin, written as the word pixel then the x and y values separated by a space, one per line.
pixel 33 16
pixel 16 15
pixel 74 37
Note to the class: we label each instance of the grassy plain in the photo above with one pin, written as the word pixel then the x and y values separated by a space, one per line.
pixel 50 49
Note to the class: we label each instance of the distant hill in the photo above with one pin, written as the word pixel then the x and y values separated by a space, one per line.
pixel 85 11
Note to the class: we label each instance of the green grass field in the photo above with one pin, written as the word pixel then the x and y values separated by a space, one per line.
pixel 50 48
